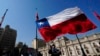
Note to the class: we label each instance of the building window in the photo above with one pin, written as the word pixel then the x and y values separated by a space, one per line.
pixel 77 48
pixel 70 51
pixel 78 52
pixel 85 47
pixel 87 51
pixel 98 50
pixel 99 42
pixel 95 45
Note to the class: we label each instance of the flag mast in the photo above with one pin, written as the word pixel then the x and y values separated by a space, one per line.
pixel 36 34
pixel 2 19
pixel 83 53
pixel 36 30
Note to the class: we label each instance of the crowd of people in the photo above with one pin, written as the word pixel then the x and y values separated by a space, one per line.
pixel 20 50
pixel 23 51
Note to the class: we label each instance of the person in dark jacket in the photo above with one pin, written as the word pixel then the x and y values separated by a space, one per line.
pixel 15 52
pixel 1 52
pixel 24 50
pixel 39 53
pixel 54 51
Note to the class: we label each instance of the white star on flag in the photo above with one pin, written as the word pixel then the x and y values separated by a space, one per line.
pixel 41 23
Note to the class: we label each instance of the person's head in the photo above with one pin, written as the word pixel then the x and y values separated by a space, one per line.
pixel 20 45
pixel 53 46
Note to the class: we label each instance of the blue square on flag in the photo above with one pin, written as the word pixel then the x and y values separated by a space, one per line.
pixel 42 23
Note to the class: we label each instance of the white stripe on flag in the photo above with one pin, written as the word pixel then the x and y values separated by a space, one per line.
pixel 64 15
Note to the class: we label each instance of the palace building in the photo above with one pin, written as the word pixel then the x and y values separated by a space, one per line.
pixel 90 45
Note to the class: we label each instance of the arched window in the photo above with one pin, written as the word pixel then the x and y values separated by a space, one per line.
pixel 85 47
pixel 97 48
pixel 99 42
pixel 77 48
pixel 87 51
pixel 95 45
pixel 78 51
pixel 70 50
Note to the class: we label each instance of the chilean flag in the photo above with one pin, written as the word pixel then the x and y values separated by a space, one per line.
pixel 71 20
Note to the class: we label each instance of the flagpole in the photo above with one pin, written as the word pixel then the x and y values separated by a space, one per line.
pixel 36 36
pixel 36 42
pixel 2 19
pixel 83 53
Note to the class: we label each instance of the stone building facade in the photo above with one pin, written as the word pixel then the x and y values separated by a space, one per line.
pixel 38 43
pixel 90 44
